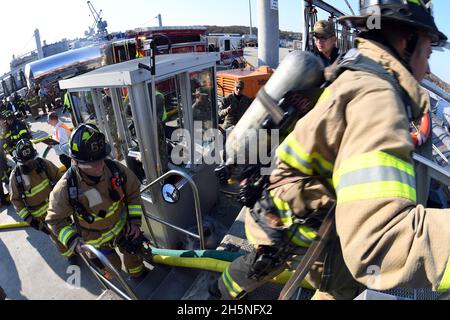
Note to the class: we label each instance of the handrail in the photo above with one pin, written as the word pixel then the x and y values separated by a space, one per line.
pixel 198 212
pixel 433 169
pixel 105 282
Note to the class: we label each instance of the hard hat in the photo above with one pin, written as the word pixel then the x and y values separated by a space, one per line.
pixel 87 144
pixel 25 151
pixel 416 14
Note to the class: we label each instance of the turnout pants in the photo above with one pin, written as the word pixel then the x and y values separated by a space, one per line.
pixel 134 264
pixel 61 248
pixel 331 278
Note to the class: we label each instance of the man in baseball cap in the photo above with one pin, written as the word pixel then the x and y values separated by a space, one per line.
pixel 325 41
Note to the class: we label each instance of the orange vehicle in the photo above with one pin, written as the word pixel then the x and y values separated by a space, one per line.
pixel 254 79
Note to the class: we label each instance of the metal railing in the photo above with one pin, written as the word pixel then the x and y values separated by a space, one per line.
pixel 433 170
pixel 107 284
pixel 200 236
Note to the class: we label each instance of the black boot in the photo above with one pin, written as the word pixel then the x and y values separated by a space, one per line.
pixel 214 292
pixel 73 260
pixel 4 200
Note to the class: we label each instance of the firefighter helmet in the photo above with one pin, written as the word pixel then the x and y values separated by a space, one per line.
pixel 25 151
pixel 87 144
pixel 416 14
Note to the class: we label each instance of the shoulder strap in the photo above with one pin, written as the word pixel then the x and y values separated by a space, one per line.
pixel 20 186
pixel 72 189
pixel 42 165
pixel 119 179
pixel 355 61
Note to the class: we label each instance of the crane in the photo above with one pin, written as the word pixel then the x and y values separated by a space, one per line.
pixel 101 25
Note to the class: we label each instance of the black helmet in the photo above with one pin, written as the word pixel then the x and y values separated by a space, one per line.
pixel 416 14
pixel 24 151
pixel 87 144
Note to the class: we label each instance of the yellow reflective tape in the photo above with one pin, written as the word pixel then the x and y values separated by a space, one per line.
pixel 290 160
pixel 41 186
pixel 23 213
pixel 228 286
pixel 111 211
pixel 302 160
pixel 445 282
pixel 376 190
pixel 303 236
pixel 135 210
pixel 283 209
pixel 109 235
pixel 280 204
pixel 307 232
pixel 65 234
pixel 297 241
pixel 291 141
pixel 136 270
pixel 372 159
pixel 40 212
pixel 69 253
pixel 75 147
pixel 235 287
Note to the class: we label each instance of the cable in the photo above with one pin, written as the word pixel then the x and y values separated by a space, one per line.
pixel 27 43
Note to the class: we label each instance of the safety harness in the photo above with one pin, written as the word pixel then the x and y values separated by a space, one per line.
pixel 41 166
pixel 118 181
pixel 353 60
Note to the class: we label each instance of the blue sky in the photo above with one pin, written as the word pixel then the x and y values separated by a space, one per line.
pixel 59 19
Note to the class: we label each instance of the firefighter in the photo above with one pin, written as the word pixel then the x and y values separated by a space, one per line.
pixel 22 104
pixel 15 130
pixel 325 42
pixel 61 132
pixel 102 197
pixel 31 182
pixel 5 169
pixel 234 106
pixel 355 149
